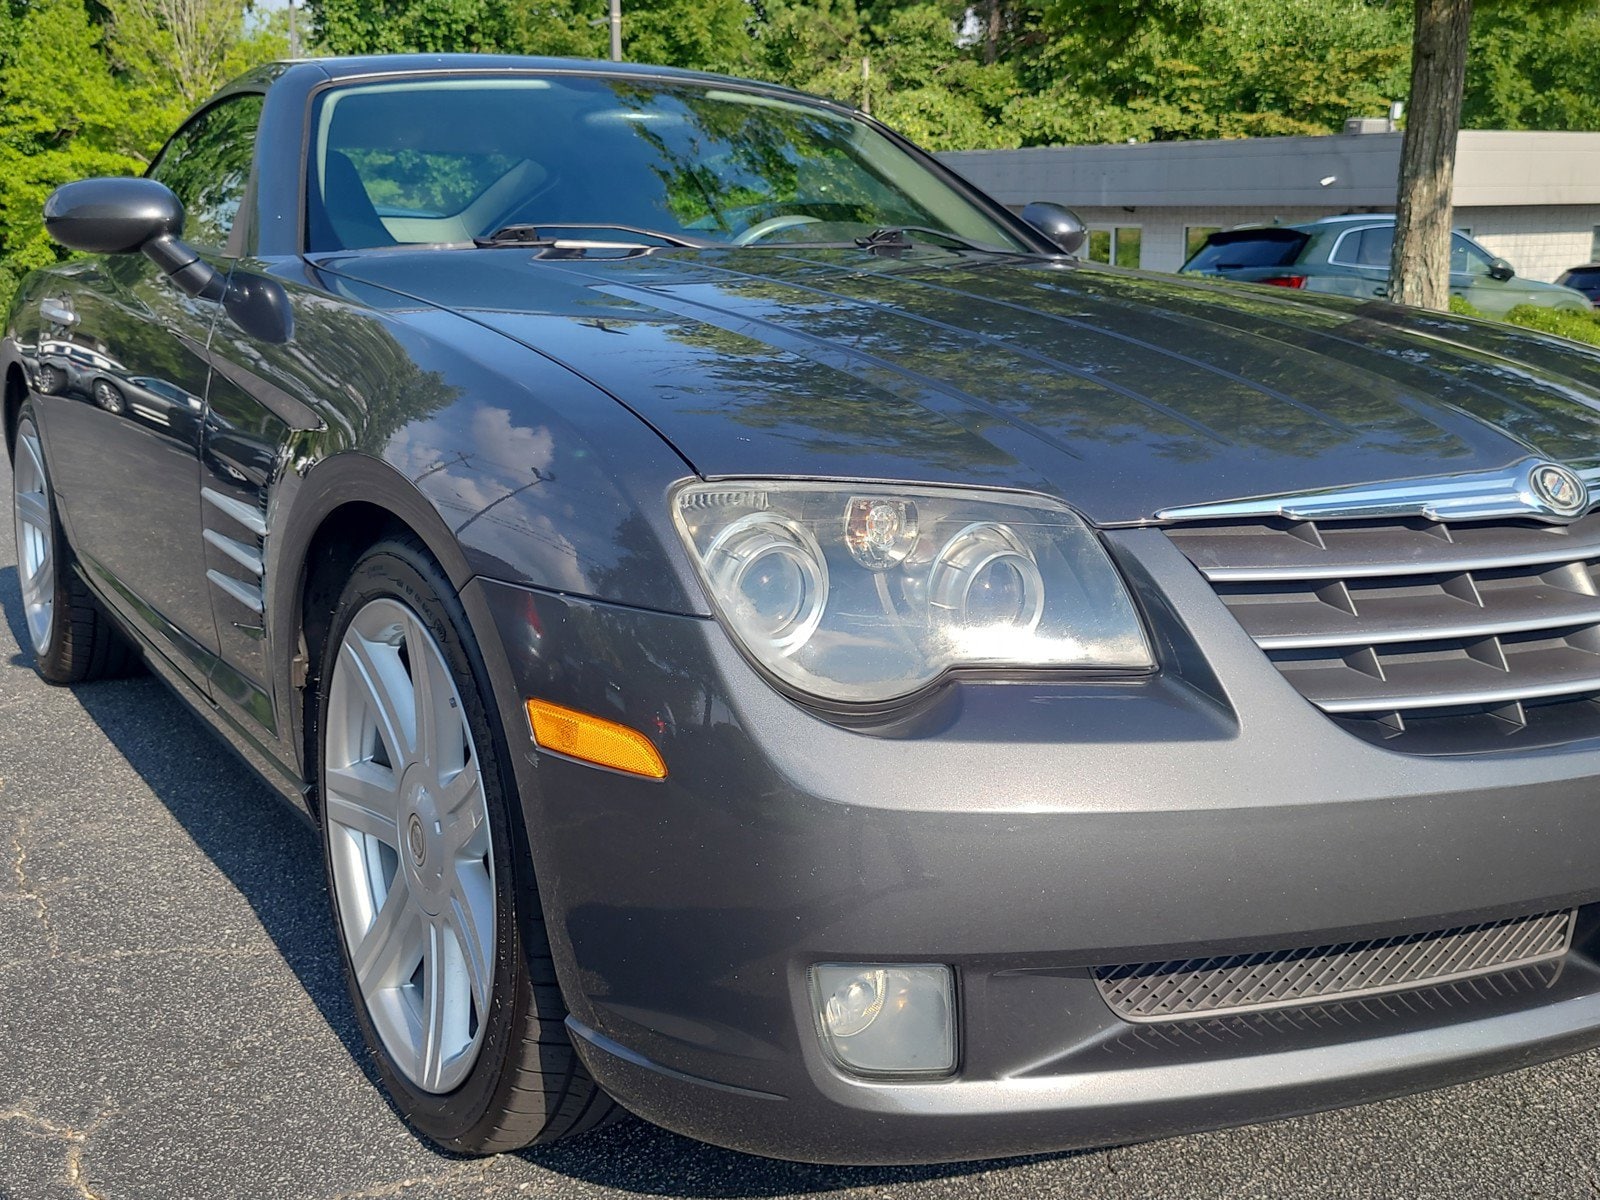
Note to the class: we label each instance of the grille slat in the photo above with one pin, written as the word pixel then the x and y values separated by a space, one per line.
pixel 1316 625
pixel 1447 682
pixel 1275 550
pixel 1195 988
pixel 1421 636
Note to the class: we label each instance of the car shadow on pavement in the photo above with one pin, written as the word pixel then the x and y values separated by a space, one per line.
pixel 270 854
pixel 646 1160
pixel 264 847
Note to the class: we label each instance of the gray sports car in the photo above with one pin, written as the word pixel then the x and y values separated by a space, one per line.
pixel 772 640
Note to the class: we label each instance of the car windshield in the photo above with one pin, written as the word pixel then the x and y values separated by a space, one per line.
pixel 1239 249
pixel 453 159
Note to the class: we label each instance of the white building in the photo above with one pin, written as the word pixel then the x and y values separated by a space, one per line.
pixel 1532 198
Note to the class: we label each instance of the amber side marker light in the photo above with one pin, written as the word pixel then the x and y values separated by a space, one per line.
pixel 594 740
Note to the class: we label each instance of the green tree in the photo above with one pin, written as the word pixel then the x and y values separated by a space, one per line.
pixel 170 55
pixel 1534 68
pixel 95 91
pixel 62 117
pixel 1105 70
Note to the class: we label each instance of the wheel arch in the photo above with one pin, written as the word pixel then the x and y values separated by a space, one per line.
pixel 345 504
pixel 16 392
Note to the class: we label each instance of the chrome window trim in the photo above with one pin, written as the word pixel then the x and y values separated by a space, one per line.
pixel 1333 255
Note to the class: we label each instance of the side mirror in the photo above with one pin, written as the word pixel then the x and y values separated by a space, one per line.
pixel 1502 270
pixel 1058 223
pixel 130 216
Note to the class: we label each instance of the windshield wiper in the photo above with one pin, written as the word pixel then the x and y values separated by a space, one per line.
pixel 895 237
pixel 529 234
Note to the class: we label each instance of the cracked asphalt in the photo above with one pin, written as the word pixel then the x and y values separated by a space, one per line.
pixel 173 1025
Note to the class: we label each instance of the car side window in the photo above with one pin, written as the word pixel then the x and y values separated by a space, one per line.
pixel 1467 259
pixel 1371 247
pixel 207 165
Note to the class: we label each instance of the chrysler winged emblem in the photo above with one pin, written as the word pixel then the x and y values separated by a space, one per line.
pixel 1536 488
pixel 1558 489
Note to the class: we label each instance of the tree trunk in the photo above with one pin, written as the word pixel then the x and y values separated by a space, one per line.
pixel 1420 271
pixel 991 40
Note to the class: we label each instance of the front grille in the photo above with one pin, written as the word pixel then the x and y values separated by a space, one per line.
pixel 1432 638
pixel 1209 987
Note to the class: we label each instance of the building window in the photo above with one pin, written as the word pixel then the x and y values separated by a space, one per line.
pixel 1126 244
pixel 1122 245
pixel 1594 246
pixel 1194 236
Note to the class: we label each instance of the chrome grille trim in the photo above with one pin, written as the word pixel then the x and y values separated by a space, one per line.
pixel 1391 625
pixel 1466 496
pixel 1588 614
pixel 1449 699
pixel 1441 566
pixel 1209 987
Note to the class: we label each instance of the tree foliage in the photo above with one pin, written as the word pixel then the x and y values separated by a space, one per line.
pixel 1534 67
pixel 91 90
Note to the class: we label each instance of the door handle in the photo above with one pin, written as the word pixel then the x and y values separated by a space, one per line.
pixel 57 313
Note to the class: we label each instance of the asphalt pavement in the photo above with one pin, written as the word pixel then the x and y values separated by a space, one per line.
pixel 173 1025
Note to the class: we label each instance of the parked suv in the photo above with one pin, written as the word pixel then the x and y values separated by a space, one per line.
pixel 1349 256
pixel 1585 279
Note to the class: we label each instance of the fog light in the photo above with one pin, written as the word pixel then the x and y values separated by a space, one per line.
pixel 887 1018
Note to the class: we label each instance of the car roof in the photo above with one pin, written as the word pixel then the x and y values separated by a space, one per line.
pixel 1374 218
pixel 381 65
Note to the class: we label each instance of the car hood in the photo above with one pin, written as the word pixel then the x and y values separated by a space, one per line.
pixel 1120 392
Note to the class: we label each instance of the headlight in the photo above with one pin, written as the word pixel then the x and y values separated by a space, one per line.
pixel 869 593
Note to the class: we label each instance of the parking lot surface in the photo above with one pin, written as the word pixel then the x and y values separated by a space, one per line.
pixel 173 1024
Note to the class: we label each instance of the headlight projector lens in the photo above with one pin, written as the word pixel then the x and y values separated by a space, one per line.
pixel 985 577
pixel 880 533
pixel 776 577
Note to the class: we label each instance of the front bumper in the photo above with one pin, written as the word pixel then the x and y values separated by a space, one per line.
pixel 1024 832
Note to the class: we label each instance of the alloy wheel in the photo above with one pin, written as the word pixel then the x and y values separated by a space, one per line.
pixel 36 564
pixel 108 397
pixel 408 838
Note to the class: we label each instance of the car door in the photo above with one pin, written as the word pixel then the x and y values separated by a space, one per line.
pixel 1358 264
pixel 1470 279
pixel 127 466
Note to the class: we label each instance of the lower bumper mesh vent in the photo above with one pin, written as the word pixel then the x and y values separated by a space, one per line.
pixel 1206 987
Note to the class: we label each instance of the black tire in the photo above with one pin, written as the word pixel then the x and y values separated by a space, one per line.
pixel 83 643
pixel 527 1084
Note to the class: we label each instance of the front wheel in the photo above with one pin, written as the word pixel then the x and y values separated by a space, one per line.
pixel 443 938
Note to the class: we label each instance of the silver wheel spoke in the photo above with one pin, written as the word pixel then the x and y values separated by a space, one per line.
pixel 459 789
pixel 383 678
pixel 438 723
pixel 390 949
pixel 464 833
pixel 436 1006
pixel 366 798
pixel 34 509
pixel 407 824
pixel 476 942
